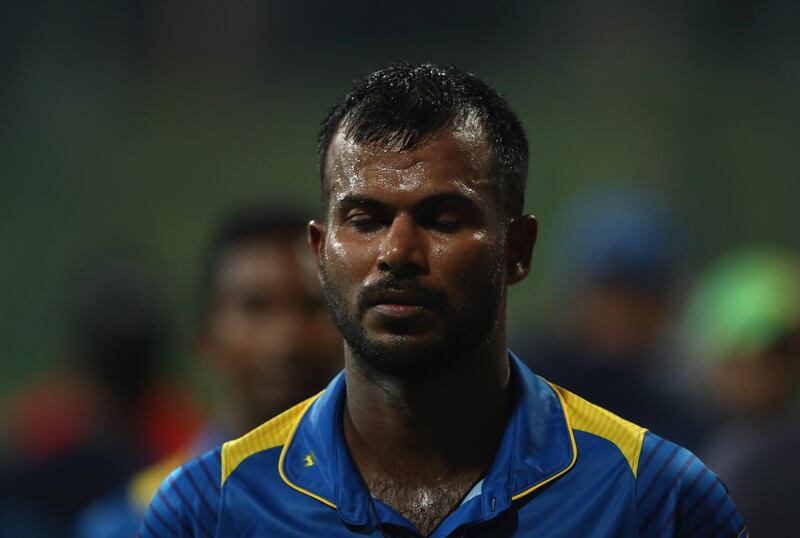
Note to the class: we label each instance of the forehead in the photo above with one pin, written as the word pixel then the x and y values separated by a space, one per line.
pixel 266 262
pixel 459 159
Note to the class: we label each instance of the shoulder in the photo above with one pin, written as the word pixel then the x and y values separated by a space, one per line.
pixel 272 434
pixel 111 516
pixel 677 495
pixel 120 513
pixel 583 416
pixel 186 503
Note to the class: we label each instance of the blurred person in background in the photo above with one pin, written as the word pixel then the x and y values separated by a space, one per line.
pixel 79 433
pixel 264 332
pixel 620 265
pixel 743 329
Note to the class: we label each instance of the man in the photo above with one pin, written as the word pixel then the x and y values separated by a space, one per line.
pixel 259 302
pixel 434 428
pixel 612 311
pixel 742 329
pixel 100 413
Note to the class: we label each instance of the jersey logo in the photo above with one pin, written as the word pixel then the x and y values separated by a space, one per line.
pixel 309 460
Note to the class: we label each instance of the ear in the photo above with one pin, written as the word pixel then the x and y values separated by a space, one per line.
pixel 316 238
pixel 520 239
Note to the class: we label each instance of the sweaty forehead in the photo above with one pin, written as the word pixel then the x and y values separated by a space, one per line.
pixel 461 156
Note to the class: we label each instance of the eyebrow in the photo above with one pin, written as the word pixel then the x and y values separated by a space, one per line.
pixel 353 200
pixel 366 202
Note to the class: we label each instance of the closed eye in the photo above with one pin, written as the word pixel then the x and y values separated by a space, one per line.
pixel 448 213
pixel 445 224
pixel 363 222
pixel 442 219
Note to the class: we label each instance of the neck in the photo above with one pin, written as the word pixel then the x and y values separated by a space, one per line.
pixel 434 428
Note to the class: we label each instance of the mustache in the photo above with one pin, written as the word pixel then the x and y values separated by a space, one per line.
pixel 372 294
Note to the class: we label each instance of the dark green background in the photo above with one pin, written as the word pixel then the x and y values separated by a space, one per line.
pixel 138 123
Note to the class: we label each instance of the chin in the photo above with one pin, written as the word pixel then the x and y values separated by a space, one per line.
pixel 406 356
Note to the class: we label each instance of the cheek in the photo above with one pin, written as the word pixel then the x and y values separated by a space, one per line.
pixel 347 260
pixel 326 346
pixel 468 261
pixel 326 334
pixel 334 248
pixel 242 339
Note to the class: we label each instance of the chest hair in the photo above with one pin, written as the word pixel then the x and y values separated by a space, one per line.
pixel 424 505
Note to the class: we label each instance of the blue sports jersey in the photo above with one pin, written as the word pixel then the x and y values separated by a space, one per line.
pixel 565 468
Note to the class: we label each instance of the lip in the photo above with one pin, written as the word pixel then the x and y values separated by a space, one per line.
pixel 399 310
pixel 402 301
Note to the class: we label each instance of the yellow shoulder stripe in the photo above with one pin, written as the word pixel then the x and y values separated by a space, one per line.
pixel 585 416
pixel 144 485
pixel 271 434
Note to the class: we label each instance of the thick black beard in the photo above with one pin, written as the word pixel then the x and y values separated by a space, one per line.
pixel 466 330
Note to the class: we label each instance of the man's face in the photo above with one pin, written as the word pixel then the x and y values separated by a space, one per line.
pixel 413 253
pixel 269 330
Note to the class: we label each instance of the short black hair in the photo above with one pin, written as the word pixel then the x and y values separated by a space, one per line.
pixel 119 324
pixel 240 227
pixel 404 105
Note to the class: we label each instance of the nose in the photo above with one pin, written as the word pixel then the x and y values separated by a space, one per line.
pixel 402 249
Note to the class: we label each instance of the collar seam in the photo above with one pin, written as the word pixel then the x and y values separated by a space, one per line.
pixel 568 424
pixel 285 449
pixel 513 459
